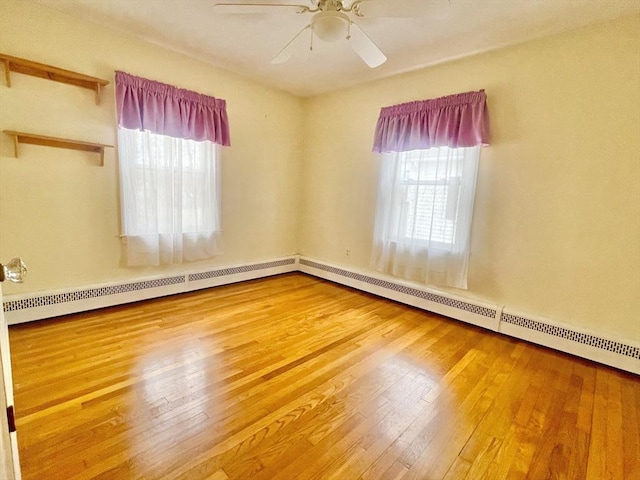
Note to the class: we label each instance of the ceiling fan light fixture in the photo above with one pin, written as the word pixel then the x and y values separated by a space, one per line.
pixel 331 25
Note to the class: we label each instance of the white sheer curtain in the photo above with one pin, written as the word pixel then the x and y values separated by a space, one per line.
pixel 170 191
pixel 423 214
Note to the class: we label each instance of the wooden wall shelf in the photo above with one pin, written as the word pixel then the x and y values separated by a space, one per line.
pixel 30 138
pixel 27 67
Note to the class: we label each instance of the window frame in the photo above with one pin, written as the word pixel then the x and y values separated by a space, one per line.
pixel 139 167
pixel 422 155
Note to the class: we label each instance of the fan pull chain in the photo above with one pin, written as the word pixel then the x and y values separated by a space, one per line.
pixel 311 45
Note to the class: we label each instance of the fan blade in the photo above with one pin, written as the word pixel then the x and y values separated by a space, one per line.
pixel 365 48
pixel 287 51
pixel 251 8
pixel 395 9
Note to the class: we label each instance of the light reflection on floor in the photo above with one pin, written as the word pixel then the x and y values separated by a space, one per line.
pixel 173 379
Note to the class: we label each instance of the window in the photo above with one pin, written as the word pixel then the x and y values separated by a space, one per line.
pixel 168 144
pixel 171 183
pixel 184 183
pixel 430 187
pixel 424 212
pixel 430 150
pixel 170 193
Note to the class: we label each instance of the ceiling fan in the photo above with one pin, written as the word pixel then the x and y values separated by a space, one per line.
pixel 331 22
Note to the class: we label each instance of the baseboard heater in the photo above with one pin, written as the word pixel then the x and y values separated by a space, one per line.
pixel 41 305
pixel 622 354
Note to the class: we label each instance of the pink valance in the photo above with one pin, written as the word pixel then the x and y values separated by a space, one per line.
pixel 167 110
pixel 454 121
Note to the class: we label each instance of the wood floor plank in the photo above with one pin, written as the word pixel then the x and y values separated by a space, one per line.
pixel 631 430
pixel 275 421
pixel 293 377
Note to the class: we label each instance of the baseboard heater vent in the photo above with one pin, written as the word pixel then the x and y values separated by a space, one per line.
pixel 608 351
pixel 223 272
pixel 73 296
pixel 432 297
pixel 584 344
pixel 41 305
pixel 572 335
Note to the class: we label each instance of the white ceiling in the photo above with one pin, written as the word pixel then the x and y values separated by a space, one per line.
pixel 247 43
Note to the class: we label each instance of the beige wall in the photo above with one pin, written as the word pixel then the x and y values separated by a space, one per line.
pixel 556 231
pixel 59 210
pixel 556 228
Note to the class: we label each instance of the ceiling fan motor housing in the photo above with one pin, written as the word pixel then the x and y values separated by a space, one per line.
pixel 331 25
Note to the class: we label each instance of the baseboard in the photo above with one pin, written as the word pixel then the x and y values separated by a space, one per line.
pixel 41 305
pixel 469 311
pixel 622 354
pixel 618 353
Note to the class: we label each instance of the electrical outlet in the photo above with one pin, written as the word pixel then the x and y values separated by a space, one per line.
pixel 348 252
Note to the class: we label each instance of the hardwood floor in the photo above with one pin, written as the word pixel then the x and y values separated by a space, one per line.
pixel 296 378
